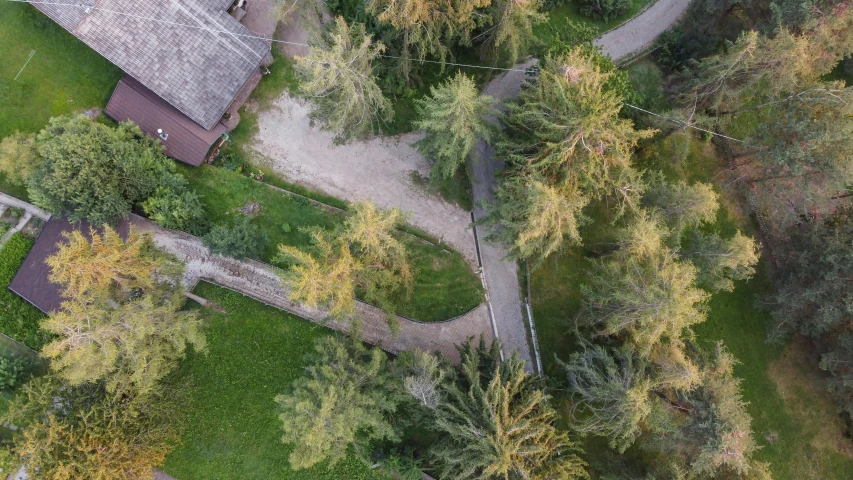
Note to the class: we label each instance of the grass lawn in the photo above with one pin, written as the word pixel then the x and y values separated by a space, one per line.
pixel 18 319
pixel 254 353
pixel 783 386
pixel 444 285
pixel 63 76
pixel 557 26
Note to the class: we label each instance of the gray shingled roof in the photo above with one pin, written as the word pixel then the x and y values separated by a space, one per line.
pixel 197 70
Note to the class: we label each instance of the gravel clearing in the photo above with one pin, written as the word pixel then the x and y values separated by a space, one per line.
pixel 379 169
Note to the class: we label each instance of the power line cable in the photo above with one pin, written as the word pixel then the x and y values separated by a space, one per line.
pixel 89 8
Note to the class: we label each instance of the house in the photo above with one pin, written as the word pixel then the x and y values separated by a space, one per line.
pixel 189 65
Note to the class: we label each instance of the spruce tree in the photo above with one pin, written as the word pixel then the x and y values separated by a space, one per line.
pixel 497 424
pixel 454 117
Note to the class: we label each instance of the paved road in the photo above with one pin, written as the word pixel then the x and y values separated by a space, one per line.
pixel 501 276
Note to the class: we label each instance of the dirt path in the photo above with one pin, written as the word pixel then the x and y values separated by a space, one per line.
pixel 640 32
pixel 261 282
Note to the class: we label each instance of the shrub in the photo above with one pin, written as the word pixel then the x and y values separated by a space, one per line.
pixel 242 239
pixel 12 371
pixel 604 9
pixel 177 209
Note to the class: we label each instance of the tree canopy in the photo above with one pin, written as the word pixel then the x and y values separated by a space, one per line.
pixel 337 76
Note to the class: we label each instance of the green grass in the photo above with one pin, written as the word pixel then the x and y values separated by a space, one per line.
pixel 64 75
pixel 801 450
pixel 254 352
pixel 444 285
pixel 558 27
pixel 18 319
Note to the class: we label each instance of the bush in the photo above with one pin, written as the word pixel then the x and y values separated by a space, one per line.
pixel 604 9
pixel 12 371
pixel 243 239
pixel 176 208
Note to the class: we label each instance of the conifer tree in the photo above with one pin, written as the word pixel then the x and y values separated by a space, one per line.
pixel 536 219
pixel 497 424
pixel 567 124
pixel 104 265
pixel 720 262
pixel 121 322
pixel 130 347
pixel 337 76
pixel 345 399
pixel 611 393
pixel 322 277
pixel 363 256
pixel 454 117
pixel 643 293
pixel 83 431
pixel 681 205
pixel 510 29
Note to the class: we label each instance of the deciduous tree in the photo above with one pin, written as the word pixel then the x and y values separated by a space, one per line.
pixel 454 117
pixel 87 170
pixel 681 205
pixel 238 240
pixel 337 76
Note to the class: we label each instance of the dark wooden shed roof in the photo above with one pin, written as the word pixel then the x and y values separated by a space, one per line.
pixel 186 141
pixel 32 282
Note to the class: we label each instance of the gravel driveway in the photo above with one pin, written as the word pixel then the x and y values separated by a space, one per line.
pixel 381 170
pixel 641 31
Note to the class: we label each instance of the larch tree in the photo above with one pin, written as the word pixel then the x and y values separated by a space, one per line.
pixel 344 400
pixel 131 347
pixel 497 424
pixel 567 124
pixel 681 205
pixel 425 27
pixel 321 277
pixel 536 219
pixel 510 28
pixel 103 265
pixel 121 322
pixel 18 157
pixel 643 293
pixel 364 256
pixel 722 261
pixel 337 76
pixel 72 432
pixel 611 393
pixel 454 117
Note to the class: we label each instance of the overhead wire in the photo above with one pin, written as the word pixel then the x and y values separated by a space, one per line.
pixel 274 40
